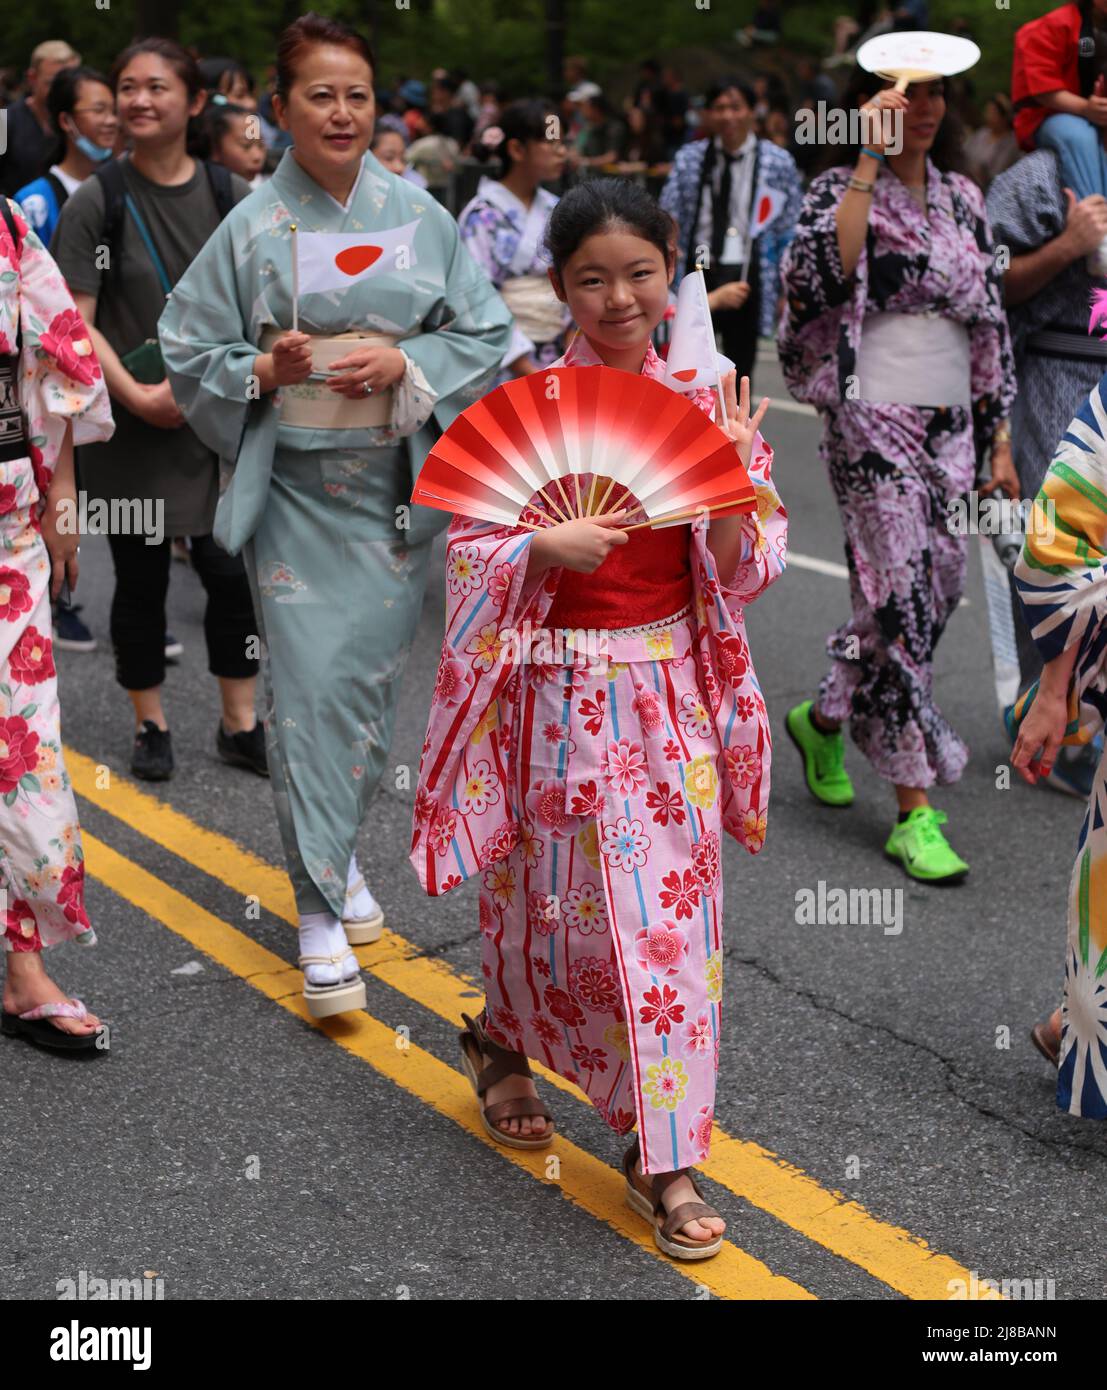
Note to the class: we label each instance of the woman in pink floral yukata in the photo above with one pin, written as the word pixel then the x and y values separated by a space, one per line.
pixel 51 394
pixel 589 793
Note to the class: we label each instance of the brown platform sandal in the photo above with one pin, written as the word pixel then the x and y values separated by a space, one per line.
pixel 1047 1041
pixel 475 1046
pixel 666 1225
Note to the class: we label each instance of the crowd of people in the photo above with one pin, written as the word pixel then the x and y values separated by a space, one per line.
pixel 148 313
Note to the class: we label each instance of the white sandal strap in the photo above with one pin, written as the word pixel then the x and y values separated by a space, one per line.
pixel 327 960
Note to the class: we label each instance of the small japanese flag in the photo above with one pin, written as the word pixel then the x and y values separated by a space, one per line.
pixel 693 361
pixel 333 260
pixel 766 205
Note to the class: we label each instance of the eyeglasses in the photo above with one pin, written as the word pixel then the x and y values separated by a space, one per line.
pixel 102 110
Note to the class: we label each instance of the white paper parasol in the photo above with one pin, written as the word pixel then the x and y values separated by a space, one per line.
pixel 917 56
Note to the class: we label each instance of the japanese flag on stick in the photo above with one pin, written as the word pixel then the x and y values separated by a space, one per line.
pixel 766 205
pixel 332 260
pixel 693 360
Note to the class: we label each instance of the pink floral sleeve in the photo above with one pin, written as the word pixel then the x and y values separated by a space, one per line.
pixel 60 377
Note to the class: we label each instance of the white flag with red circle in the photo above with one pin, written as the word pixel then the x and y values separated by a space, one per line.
pixel 693 361
pixel 766 206
pixel 333 260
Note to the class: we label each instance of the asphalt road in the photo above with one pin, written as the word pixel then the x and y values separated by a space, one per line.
pixel 880 1139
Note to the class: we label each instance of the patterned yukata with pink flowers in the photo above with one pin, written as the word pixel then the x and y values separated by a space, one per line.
pixel 588 787
pixel 59 379
pixel 896 468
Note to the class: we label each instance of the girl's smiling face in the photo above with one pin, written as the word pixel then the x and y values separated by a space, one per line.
pixel 616 285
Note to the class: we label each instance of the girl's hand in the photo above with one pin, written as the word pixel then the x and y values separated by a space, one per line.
pixel 379 367
pixel 738 424
pixel 61 546
pixel 1040 735
pixel 582 545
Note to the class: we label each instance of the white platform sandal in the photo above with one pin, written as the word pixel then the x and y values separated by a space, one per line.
pixel 324 1000
pixel 362 931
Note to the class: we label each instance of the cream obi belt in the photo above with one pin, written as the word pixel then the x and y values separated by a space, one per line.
pixel 534 306
pixel 312 405
pixel 914 359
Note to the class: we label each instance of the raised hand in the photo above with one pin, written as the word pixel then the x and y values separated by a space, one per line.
pixel 738 424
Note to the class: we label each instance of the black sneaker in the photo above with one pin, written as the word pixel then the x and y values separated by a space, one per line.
pixel 69 632
pixel 153 756
pixel 246 749
pixel 173 647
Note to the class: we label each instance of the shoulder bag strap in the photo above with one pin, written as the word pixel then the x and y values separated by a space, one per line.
pixel 132 208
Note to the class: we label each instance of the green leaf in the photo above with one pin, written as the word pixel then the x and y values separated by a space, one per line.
pixel 8 276
pixel 27 711
pixel 29 782
pixel 9 797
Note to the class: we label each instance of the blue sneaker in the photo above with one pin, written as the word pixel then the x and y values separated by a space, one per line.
pixel 69 632
pixel 1074 771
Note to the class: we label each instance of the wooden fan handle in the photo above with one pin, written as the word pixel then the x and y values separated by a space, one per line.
pixel 679 516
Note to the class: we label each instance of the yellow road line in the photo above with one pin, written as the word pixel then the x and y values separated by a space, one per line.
pixel 889 1253
pixel 583 1179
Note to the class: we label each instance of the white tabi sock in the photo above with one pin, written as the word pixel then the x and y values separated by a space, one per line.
pixel 321 934
pixel 360 906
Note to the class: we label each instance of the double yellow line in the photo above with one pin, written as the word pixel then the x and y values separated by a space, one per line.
pixel 831 1220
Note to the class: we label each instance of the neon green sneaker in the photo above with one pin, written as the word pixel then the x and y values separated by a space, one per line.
pixel 824 759
pixel 922 849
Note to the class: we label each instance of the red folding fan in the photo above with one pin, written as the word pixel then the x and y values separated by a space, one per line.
pixel 584 441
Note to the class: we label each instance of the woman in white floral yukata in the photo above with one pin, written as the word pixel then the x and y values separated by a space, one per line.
pixel 52 394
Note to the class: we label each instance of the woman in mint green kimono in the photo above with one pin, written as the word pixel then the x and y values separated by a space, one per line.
pixel 321 475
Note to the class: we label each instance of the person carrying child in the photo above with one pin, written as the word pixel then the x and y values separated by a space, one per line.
pixel 1060 97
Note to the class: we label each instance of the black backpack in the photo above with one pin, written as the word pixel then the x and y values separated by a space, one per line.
pixel 110 174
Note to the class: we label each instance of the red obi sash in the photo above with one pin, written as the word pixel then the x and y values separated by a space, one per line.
pixel 643 581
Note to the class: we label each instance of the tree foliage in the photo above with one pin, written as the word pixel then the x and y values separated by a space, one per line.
pixel 502 39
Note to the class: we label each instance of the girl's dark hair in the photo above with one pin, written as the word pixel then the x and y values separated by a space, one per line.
pixel 215 122
pixel 219 74
pixel 179 59
pixel 948 143
pixel 62 97
pixel 308 31
pixel 606 205
pixel 729 84
pixel 524 120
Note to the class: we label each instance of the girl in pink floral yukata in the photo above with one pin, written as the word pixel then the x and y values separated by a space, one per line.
pixel 589 792
pixel 52 394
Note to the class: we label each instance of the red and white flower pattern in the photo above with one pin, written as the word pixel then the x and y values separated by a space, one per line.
pixel 60 382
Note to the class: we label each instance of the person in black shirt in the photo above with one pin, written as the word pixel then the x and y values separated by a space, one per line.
pixel 30 136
